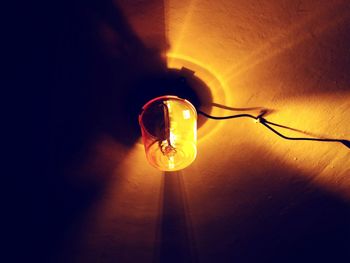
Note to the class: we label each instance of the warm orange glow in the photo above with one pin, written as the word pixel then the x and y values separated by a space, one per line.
pixel 169 132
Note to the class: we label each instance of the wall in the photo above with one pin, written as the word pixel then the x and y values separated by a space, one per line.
pixel 250 196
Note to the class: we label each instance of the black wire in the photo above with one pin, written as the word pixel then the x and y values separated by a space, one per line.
pixel 266 123
pixel 226 117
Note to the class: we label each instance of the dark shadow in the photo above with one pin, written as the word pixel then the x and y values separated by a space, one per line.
pixel 95 58
pixel 175 241
pixel 100 73
pixel 266 211
pixel 346 143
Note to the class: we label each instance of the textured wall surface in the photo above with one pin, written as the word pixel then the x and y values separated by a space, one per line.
pixel 250 196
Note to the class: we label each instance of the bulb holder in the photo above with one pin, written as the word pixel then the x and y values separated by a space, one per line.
pixel 169 132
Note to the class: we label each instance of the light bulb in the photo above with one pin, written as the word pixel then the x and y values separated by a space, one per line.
pixel 169 132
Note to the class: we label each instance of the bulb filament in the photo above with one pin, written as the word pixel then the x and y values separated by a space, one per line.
pixel 166 145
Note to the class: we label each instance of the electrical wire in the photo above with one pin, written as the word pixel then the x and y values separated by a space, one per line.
pixel 267 124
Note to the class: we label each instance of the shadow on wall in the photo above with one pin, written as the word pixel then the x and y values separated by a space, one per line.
pixel 270 212
pixel 103 73
pixel 99 61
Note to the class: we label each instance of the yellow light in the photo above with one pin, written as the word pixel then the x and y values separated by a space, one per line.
pixel 169 132
pixel 186 114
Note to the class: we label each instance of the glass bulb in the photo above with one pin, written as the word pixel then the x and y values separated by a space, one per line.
pixel 169 132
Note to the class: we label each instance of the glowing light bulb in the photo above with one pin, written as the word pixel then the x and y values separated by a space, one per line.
pixel 169 132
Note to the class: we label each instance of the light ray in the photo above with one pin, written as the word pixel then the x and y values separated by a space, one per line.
pixel 184 24
pixel 287 40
